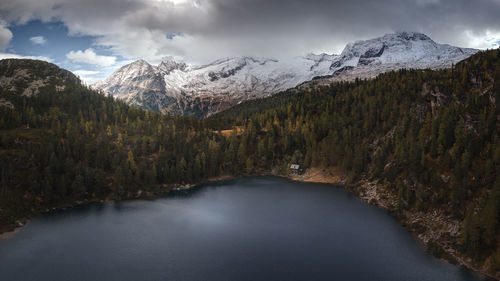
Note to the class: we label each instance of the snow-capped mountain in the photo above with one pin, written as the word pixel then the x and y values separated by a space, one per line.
pixel 174 87
pixel 177 88
pixel 369 58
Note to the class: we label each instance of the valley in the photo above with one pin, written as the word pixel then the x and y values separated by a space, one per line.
pixel 421 143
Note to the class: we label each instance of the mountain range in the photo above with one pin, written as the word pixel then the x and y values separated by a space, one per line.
pixel 423 144
pixel 175 87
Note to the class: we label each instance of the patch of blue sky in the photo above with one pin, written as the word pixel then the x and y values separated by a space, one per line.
pixel 171 35
pixel 58 43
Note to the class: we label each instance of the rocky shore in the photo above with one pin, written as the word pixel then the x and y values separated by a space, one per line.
pixel 437 231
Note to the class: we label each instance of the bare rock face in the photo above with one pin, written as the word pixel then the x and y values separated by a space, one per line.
pixel 177 88
pixel 26 77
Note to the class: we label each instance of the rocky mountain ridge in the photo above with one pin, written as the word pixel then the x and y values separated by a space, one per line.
pixel 177 88
pixel 26 77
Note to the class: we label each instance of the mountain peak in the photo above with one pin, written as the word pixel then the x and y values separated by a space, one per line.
pixel 411 48
pixel 139 62
pixel 170 65
pixel 174 87
pixel 409 36
pixel 139 67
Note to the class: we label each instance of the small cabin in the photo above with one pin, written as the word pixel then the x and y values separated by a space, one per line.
pixel 294 169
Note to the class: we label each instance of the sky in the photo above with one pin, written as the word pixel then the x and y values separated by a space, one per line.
pixel 93 38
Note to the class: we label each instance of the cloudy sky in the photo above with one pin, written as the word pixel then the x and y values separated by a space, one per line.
pixel 94 37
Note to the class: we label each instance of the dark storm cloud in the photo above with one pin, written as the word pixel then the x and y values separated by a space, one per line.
pixel 445 19
pixel 218 28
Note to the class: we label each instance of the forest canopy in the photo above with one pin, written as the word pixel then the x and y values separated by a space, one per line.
pixel 431 136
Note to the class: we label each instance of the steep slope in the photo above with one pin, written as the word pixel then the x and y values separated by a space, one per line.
pixel 424 144
pixel 176 88
pixel 139 83
pixel 410 50
pixel 413 49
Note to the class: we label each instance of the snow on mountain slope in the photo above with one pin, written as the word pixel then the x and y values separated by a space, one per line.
pixel 174 87
pixel 177 88
pixel 403 47
pixel 410 50
pixel 244 77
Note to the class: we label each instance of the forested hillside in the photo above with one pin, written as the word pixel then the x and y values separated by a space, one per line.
pixel 431 137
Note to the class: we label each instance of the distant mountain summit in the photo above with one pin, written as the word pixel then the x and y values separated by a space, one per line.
pixel 413 50
pixel 410 50
pixel 177 88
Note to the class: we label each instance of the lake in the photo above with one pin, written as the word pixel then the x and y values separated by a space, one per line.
pixel 260 228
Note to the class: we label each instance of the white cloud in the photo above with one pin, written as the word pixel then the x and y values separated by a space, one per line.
pixel 90 57
pixel 5 36
pixel 39 40
pixel 16 56
pixel 486 40
pixel 92 76
pixel 89 76
pixel 85 72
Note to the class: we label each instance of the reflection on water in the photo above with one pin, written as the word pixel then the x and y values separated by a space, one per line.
pixel 247 229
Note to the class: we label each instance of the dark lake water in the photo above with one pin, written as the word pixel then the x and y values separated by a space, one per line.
pixel 246 229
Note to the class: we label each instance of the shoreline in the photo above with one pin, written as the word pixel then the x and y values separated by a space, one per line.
pixel 435 241
pixel 157 193
pixel 9 234
pixel 436 231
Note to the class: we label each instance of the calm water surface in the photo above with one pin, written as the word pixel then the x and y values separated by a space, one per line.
pixel 246 229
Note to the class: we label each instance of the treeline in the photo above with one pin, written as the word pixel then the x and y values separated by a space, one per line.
pixel 60 147
pixel 432 136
